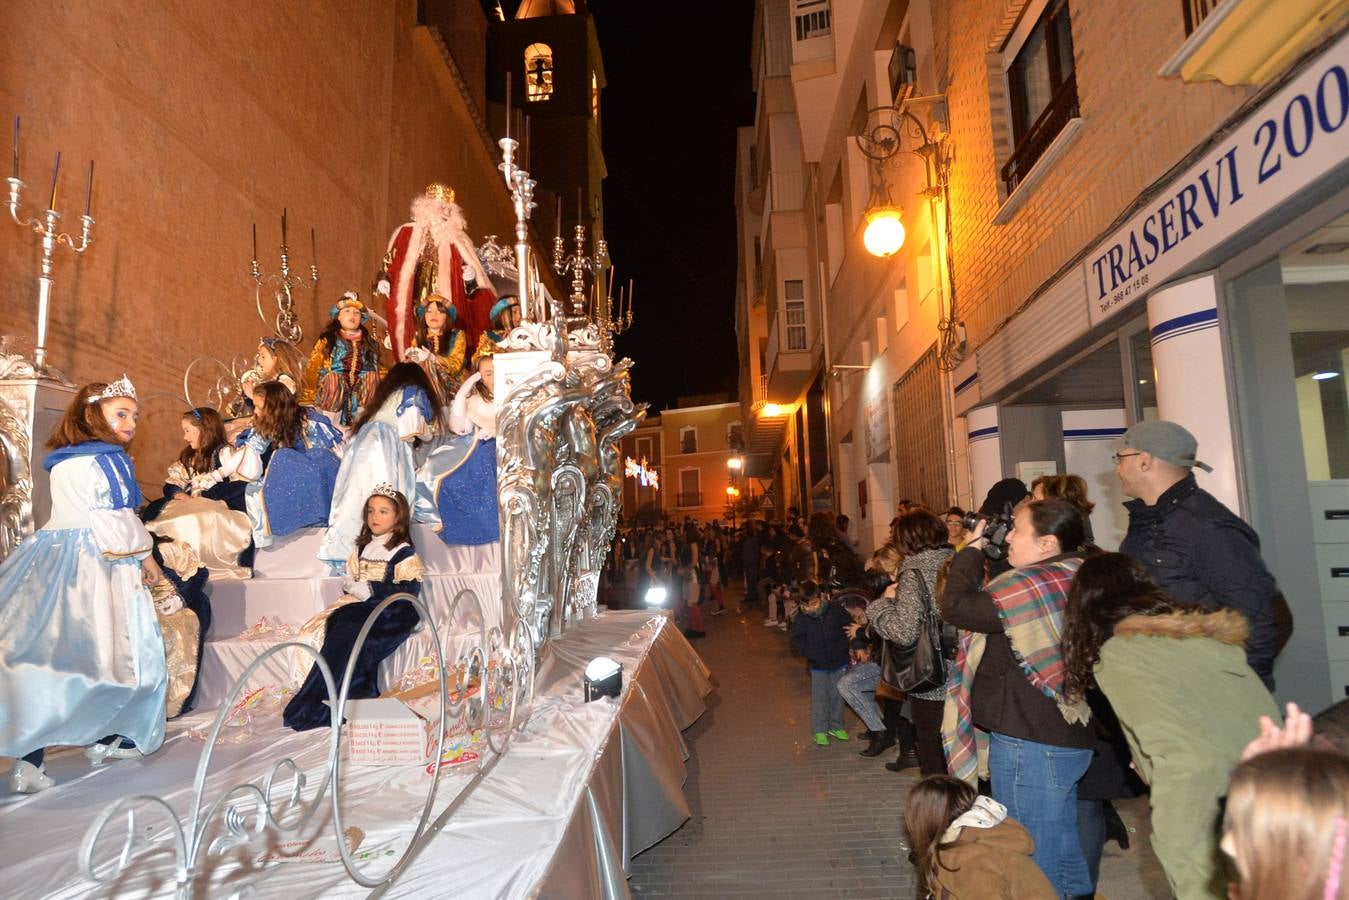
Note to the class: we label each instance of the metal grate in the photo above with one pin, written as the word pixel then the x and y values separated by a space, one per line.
pixel 920 439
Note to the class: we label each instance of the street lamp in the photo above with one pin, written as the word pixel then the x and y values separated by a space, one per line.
pixel 884 234
pixel 772 410
pixel 735 463
pixel 732 495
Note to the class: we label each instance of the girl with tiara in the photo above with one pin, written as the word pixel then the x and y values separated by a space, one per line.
pixel 290 462
pixel 81 656
pixel 458 482
pixel 202 506
pixel 438 346
pixel 383 563
pixel 505 316
pixel 403 412
pixel 344 368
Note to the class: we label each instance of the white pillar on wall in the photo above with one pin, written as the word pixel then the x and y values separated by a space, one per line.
pixel 981 424
pixel 1090 439
pixel 1192 377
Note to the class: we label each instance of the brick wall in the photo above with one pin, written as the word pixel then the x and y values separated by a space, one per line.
pixel 1136 125
pixel 204 118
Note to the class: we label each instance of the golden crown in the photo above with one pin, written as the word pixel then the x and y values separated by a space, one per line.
pixel 441 192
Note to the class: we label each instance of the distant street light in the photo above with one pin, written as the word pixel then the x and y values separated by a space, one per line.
pixel 735 463
pixel 772 410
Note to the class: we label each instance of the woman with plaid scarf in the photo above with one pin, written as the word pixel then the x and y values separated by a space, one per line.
pixel 1007 691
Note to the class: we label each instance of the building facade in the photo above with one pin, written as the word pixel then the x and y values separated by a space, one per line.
pixel 1109 218
pixel 695 451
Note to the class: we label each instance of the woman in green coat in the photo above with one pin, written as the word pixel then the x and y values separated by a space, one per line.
pixel 1177 678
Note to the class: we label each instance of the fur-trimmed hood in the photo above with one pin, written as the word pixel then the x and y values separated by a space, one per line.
pixel 1226 626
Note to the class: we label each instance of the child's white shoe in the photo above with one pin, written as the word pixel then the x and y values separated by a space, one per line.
pixel 26 778
pixel 97 754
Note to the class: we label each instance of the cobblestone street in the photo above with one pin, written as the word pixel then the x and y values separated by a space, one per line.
pixel 773 814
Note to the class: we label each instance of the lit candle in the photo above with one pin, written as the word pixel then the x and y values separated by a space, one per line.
pixel 313 248
pixel 580 207
pixel 89 191
pixel 16 146
pixel 255 242
pixel 528 145
pixel 629 296
pixel 559 217
pixel 508 106
pixel 56 172
pixel 283 226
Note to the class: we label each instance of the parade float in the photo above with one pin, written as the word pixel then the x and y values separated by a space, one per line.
pixel 483 769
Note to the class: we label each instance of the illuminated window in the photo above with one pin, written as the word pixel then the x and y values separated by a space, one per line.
pixel 594 96
pixel 538 72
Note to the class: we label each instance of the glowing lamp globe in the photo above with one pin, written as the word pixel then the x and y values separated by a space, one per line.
pixel 772 410
pixel 884 234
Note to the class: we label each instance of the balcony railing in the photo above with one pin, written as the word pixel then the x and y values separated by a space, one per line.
pixel 1196 11
pixel 689 500
pixel 1041 134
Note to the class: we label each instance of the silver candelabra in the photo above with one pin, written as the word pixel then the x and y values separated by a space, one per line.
pixel 45 225
pixel 284 285
pixel 521 187
pixel 578 264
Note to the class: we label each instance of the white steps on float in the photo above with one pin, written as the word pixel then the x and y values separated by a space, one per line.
pixel 290 585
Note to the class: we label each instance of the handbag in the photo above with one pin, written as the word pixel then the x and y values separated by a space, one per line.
pixel 920 666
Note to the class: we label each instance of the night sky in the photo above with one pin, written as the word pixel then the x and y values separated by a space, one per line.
pixel 679 86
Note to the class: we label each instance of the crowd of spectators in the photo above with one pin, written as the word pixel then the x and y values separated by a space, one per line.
pixel 1033 678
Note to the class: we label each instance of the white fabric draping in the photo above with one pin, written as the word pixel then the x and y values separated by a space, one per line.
pixel 586 786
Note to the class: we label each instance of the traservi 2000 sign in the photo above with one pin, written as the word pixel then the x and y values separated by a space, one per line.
pixel 1294 138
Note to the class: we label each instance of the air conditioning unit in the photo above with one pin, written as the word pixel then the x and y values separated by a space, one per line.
pixel 903 71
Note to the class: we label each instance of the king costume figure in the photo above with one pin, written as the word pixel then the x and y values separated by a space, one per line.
pixel 433 254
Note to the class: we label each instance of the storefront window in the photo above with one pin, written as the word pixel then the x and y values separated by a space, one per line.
pixel 1320 340
pixel 1145 376
pixel 1313 278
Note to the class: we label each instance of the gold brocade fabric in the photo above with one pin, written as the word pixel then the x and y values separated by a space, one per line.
pixel 428 267
pixel 315 630
pixel 218 533
pixel 182 631
pixel 312 634
pixel 368 570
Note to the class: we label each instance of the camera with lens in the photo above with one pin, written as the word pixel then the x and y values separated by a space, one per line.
pixel 995 531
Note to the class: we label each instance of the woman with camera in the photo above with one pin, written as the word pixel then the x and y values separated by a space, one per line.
pixel 899 613
pixel 1009 683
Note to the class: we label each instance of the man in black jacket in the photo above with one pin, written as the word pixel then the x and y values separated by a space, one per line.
pixel 1194 547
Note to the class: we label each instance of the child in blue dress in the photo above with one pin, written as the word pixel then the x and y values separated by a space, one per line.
pixel 290 460
pixel 458 482
pixel 81 655
pixel 384 562
pixel 402 413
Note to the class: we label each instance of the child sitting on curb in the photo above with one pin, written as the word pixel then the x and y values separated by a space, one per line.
pixel 818 633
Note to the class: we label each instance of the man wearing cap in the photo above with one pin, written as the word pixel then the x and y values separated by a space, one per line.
pixel 1198 550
